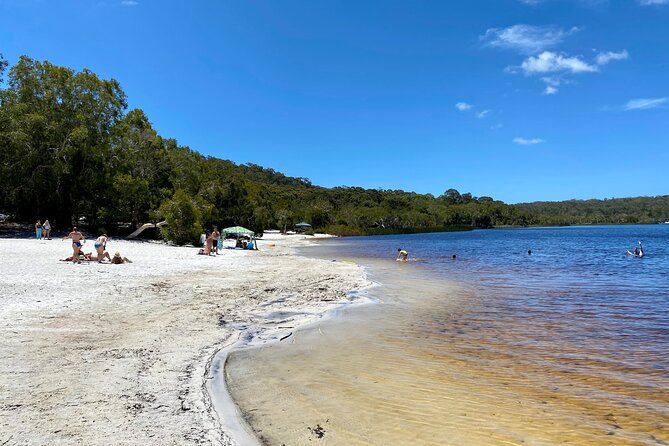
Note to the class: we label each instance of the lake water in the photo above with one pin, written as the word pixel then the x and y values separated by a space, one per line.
pixel 568 345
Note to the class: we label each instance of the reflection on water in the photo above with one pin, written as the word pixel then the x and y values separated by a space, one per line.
pixel 546 349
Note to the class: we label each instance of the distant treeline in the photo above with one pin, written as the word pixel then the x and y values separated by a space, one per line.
pixel 609 211
pixel 70 151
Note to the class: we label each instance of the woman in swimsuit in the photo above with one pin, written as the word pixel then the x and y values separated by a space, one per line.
pixel 38 230
pixel 100 246
pixel 77 240
pixel 118 259
pixel 46 230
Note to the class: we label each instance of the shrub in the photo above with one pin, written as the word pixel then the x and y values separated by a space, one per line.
pixel 184 220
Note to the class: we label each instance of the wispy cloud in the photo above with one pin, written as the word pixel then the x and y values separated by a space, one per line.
pixel 645 104
pixel 653 2
pixel 552 84
pixel 463 106
pixel 549 90
pixel 482 114
pixel 604 58
pixel 130 3
pixel 527 142
pixel 526 39
pixel 530 2
pixel 550 62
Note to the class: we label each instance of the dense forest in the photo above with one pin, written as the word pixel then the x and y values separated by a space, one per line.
pixel 614 210
pixel 70 151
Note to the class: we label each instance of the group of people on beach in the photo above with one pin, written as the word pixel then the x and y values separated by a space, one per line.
pixel 212 243
pixel 100 245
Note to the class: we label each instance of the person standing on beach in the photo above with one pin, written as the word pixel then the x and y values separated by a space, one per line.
pixel 216 236
pixel 100 246
pixel 46 230
pixel 38 230
pixel 77 240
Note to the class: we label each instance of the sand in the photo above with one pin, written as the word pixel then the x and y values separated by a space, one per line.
pixel 101 354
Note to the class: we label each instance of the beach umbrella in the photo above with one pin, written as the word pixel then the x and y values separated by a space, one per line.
pixel 303 225
pixel 238 230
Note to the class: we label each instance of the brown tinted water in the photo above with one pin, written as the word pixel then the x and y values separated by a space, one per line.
pixel 443 363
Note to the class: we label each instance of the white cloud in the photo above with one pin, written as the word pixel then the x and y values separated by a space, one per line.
pixel 482 114
pixel 550 62
pixel 463 106
pixel 549 90
pixel 530 2
pixel 653 2
pixel 130 3
pixel 604 58
pixel 526 39
pixel 496 126
pixel 645 104
pixel 527 142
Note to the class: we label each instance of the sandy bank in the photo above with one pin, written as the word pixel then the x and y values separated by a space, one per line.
pixel 118 354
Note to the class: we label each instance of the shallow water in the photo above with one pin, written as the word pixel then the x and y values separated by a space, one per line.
pixel 567 345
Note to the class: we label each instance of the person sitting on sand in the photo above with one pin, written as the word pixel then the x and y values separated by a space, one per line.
pixel 77 240
pixel 118 259
pixel 402 255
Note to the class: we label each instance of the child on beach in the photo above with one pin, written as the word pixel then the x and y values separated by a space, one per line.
pixel 402 255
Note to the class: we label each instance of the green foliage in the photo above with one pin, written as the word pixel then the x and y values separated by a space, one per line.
pixel 70 149
pixel 347 231
pixel 183 219
pixel 608 211
pixel 3 67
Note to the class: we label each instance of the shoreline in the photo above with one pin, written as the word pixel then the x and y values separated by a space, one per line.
pixel 229 414
pixel 124 353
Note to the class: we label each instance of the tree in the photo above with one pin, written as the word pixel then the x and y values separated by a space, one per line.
pixel 183 219
pixel 452 196
pixel 55 133
pixel 3 67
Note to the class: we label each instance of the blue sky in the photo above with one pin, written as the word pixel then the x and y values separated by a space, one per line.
pixel 520 100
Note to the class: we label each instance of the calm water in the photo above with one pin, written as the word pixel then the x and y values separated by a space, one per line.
pixel 567 345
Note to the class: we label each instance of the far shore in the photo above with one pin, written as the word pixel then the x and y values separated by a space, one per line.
pixel 101 354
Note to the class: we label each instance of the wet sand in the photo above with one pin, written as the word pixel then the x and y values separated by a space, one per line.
pixel 121 354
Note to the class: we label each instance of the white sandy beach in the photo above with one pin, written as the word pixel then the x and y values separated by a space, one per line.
pixel 101 354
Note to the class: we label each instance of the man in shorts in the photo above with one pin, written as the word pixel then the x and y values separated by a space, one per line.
pixel 216 235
